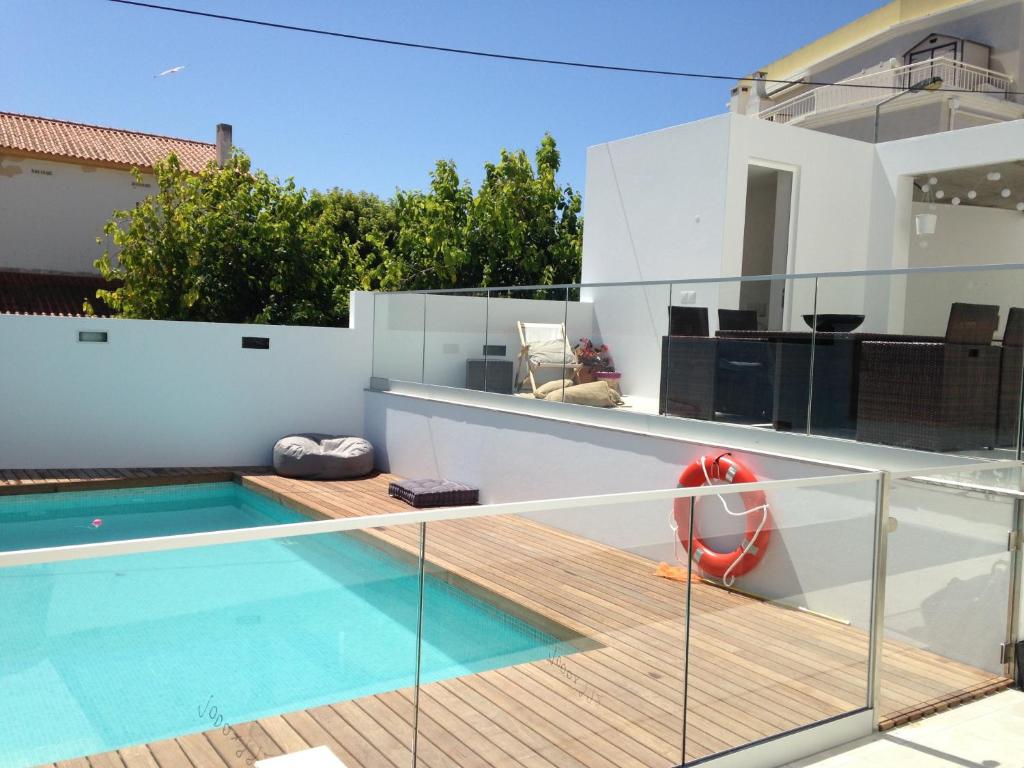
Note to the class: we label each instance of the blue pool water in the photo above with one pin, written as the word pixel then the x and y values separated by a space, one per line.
pixel 100 654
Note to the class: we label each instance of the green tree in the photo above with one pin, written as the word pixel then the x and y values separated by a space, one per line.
pixel 431 246
pixel 234 245
pixel 525 228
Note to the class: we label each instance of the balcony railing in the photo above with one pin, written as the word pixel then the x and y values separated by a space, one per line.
pixel 871 357
pixel 872 87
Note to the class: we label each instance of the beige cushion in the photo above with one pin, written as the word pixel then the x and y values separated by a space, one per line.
pixel 551 352
pixel 595 393
pixel 548 387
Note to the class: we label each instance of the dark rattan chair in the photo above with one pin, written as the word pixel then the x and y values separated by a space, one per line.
pixel 688 377
pixel 1010 378
pixel 737 320
pixel 933 396
pixel 687 321
pixel 746 370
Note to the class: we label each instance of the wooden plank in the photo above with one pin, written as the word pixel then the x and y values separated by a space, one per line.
pixel 169 754
pixel 200 751
pixel 138 757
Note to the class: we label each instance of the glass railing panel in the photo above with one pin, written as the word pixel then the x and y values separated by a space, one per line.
pixel 215 652
pixel 948 591
pixel 534 333
pixel 455 341
pixel 930 360
pixel 688 350
pixel 588 668
pixel 398 336
pixel 780 605
pixel 739 352
pixel 630 322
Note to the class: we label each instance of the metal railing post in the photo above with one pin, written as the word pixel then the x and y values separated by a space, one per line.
pixel 1016 575
pixel 877 624
pixel 686 629
pixel 810 373
pixel 419 644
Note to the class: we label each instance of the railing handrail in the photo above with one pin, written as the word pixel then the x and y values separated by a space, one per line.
pixel 43 555
pixel 881 272
pixel 891 72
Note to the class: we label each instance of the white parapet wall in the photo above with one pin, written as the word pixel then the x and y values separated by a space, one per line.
pixel 173 394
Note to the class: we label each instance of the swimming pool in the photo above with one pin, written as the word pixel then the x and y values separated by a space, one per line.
pixel 100 654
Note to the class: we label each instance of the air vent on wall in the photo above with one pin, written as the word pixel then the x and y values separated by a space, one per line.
pixel 93 336
pixel 255 342
pixel 494 350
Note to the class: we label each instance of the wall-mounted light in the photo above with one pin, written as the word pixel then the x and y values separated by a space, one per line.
pixel 924 223
pixel 93 336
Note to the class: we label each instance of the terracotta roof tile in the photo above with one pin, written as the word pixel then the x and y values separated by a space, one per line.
pixel 78 141
pixel 39 293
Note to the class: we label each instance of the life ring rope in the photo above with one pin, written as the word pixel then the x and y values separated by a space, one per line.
pixel 749 547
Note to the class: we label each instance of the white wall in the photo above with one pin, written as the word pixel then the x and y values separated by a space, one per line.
pixel 891 221
pixel 51 213
pixel 655 209
pixel 457 327
pixel 173 394
pixel 660 208
pixel 964 235
pixel 832 186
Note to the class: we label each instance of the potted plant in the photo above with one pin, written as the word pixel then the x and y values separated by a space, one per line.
pixel 593 358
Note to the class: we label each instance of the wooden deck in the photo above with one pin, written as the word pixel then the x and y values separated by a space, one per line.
pixel 756 669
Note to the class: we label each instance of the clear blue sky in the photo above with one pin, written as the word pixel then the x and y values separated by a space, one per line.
pixel 332 112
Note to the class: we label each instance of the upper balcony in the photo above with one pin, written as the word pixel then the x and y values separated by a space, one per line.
pixel 976 89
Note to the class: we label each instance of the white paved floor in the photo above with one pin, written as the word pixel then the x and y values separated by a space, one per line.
pixel 986 734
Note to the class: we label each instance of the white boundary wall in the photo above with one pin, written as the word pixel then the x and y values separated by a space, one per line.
pixel 173 394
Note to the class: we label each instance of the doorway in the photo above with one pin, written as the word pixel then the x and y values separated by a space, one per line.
pixel 766 235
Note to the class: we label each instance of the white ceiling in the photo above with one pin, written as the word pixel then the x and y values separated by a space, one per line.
pixel 960 182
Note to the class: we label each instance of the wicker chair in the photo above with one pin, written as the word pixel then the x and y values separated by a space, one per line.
pixel 688 365
pixel 1010 379
pixel 933 396
pixel 745 380
pixel 737 320
pixel 687 321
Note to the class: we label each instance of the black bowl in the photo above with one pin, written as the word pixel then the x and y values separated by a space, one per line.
pixel 834 323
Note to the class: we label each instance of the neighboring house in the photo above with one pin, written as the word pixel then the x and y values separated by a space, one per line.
pixel 972 46
pixel 59 184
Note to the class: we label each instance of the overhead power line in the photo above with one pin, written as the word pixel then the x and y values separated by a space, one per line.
pixel 509 56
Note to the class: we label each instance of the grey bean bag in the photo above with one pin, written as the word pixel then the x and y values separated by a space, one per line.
pixel 323 457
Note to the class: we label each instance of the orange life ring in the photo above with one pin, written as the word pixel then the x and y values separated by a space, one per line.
pixel 743 559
